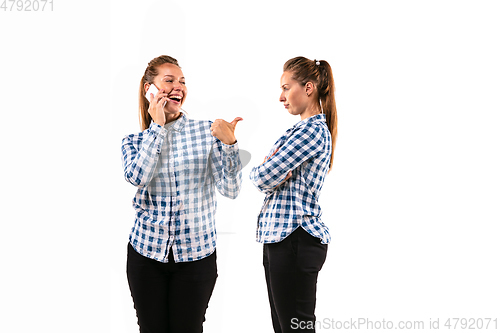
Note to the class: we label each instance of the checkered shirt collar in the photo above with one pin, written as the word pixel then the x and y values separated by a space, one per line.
pixel 179 124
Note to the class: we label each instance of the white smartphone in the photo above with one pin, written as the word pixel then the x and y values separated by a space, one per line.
pixel 152 90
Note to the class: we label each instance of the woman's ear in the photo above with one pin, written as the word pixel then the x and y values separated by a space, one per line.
pixel 309 88
pixel 146 86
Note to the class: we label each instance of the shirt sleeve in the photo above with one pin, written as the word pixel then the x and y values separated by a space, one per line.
pixel 304 143
pixel 140 154
pixel 226 166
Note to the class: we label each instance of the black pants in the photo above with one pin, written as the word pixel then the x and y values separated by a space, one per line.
pixel 291 267
pixel 170 297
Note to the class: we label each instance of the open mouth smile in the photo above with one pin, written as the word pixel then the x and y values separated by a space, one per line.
pixel 175 98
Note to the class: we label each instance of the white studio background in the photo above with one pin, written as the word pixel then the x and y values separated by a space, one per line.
pixel 411 202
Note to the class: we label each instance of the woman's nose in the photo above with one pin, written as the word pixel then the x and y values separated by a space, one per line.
pixel 282 98
pixel 177 85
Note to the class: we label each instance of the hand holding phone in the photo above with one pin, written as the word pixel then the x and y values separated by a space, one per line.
pixel 157 105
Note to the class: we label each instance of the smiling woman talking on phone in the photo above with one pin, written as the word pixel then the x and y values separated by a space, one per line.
pixel 176 163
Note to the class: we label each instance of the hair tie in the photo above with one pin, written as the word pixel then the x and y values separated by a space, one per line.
pixel 317 62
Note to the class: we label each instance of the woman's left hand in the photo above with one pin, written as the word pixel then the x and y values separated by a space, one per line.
pixel 224 131
pixel 288 175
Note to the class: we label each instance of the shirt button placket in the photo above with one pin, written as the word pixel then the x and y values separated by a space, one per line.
pixel 173 194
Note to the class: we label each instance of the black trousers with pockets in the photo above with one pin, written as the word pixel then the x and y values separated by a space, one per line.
pixel 170 297
pixel 291 268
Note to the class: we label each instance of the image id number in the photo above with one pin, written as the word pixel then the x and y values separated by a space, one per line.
pixel 471 323
pixel 27 5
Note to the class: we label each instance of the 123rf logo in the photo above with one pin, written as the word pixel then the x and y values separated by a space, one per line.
pixel 27 5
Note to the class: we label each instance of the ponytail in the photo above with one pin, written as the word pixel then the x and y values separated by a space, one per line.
pixel 320 73
pixel 144 116
pixel 327 99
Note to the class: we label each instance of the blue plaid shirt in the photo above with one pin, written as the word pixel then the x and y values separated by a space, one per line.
pixel 305 149
pixel 176 170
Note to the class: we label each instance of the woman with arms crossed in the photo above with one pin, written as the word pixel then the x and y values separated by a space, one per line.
pixel 176 164
pixel 292 175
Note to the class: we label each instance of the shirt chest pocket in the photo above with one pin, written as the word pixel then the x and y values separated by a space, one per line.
pixel 193 161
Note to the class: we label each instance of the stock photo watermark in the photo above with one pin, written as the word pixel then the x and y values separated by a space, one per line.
pixel 368 324
pixel 27 5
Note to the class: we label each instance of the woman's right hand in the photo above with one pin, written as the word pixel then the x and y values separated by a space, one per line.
pixel 156 107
